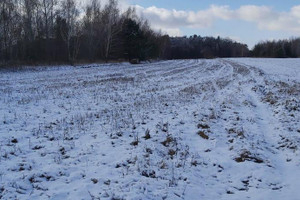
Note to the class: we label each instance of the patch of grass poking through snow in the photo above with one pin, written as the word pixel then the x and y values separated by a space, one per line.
pixel 94 180
pixel 203 126
pixel 169 139
pixel 239 133
pixel 171 153
pixel 203 135
pixel 247 156
pixel 147 135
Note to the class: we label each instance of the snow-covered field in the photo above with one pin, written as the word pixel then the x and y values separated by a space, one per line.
pixel 187 129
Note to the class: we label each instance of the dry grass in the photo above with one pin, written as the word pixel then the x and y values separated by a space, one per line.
pixel 247 156
pixel 203 135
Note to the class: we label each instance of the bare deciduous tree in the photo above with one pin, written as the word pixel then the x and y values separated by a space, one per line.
pixel 92 25
pixel 70 13
pixel 112 26
pixel 9 27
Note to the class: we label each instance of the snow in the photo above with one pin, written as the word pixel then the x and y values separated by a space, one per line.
pixel 80 132
pixel 287 69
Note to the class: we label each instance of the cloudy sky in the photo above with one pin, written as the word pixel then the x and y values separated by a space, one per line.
pixel 247 21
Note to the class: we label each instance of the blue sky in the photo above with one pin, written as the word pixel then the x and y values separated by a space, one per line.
pixel 247 21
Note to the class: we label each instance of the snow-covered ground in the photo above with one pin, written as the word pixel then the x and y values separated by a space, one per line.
pixel 187 129
pixel 283 69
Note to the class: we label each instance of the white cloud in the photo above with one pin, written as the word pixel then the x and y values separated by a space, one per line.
pixel 177 18
pixel 254 13
pixel 264 17
pixel 295 11
pixel 268 19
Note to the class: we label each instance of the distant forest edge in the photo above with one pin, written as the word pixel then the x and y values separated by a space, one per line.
pixel 60 31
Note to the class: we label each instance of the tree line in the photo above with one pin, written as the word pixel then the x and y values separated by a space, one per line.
pixel 210 47
pixel 278 49
pixel 205 47
pixel 61 31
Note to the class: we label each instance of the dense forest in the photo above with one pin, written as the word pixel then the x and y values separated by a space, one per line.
pixel 205 47
pixel 61 31
pixel 278 49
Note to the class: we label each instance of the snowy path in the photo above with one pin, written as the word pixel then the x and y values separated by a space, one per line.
pixel 186 129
